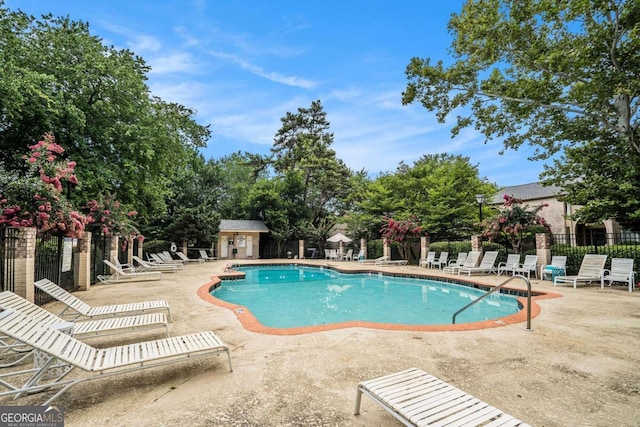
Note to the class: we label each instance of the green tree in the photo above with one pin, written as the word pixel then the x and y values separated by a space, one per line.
pixel 55 76
pixel 302 146
pixel 561 76
pixel 439 190
pixel 192 214
pixel 197 225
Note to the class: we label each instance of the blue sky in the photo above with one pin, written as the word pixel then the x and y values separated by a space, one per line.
pixel 242 65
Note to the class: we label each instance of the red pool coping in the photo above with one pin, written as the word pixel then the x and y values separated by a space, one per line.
pixel 251 323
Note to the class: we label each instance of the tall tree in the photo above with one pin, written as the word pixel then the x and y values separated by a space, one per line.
pixel 55 76
pixel 303 146
pixel 561 75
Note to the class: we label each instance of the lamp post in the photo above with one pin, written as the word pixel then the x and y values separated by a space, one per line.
pixel 480 200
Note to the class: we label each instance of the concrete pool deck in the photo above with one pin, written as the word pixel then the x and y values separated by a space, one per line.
pixel 578 366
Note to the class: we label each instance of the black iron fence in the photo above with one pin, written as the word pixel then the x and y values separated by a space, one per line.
pixel 99 251
pixel 452 245
pixel 54 261
pixel 8 244
pixel 614 245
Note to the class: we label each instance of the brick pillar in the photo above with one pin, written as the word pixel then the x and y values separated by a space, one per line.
pixel 82 263
pixel 363 247
pixel 141 250
pixel 543 249
pixel 476 243
pixel 301 248
pixel 386 248
pixel 112 251
pixel 425 243
pixel 129 250
pixel 184 248
pixel 24 267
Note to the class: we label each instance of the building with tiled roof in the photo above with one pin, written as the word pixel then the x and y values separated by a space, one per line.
pixel 240 238
pixel 557 212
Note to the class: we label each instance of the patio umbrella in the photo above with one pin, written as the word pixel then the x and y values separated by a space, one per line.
pixel 339 238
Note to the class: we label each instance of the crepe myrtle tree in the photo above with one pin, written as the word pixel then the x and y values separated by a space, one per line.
pixel 400 232
pixel 36 198
pixel 515 224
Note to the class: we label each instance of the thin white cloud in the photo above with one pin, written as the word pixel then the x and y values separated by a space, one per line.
pixel 259 71
pixel 178 62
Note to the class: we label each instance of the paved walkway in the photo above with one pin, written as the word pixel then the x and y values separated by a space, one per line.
pixel 578 366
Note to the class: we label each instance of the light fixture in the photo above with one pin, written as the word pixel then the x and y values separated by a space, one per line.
pixel 480 200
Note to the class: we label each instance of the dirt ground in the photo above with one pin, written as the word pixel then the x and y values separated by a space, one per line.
pixel 578 366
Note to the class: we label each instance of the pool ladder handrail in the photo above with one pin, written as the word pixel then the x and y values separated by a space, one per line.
pixel 492 290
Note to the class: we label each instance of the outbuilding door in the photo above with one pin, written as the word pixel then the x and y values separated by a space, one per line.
pixel 249 246
pixel 224 246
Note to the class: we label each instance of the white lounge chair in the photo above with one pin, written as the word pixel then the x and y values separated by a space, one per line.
pixel 86 329
pixel 590 271
pixel 621 271
pixel 348 256
pixel 487 265
pixel 470 261
pixel 374 261
pixel 64 353
pixel 167 258
pixel 426 262
pixel 120 275
pixel 530 264
pixel 513 260
pixel 81 309
pixel 185 258
pixel 149 266
pixel 441 261
pixel 416 398
pixel 160 258
pixel 558 267
pixel 390 262
pixel 205 256
pixel 459 261
pixel 125 267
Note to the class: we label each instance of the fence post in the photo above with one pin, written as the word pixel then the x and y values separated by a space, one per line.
pixel 301 249
pixel 476 243
pixel 129 250
pixel 82 263
pixel 363 247
pixel 425 243
pixel 386 248
pixel 543 249
pixel 141 248
pixel 25 256
pixel 113 251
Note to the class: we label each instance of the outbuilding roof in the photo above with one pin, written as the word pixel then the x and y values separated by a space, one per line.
pixel 532 191
pixel 246 225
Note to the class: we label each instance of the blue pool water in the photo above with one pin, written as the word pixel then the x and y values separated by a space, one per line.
pixel 294 296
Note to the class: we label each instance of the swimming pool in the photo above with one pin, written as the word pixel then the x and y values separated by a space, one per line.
pixel 292 296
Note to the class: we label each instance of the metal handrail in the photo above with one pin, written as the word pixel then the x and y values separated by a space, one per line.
pixel 492 290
